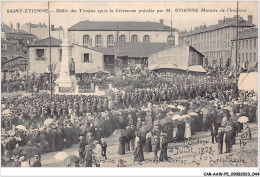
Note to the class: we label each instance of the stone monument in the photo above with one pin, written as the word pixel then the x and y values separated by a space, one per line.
pixel 66 81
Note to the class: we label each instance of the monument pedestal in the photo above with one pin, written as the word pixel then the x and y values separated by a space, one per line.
pixel 66 83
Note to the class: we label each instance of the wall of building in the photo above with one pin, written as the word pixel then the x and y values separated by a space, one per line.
pixel 155 36
pixel 246 52
pixel 97 59
pixel 178 55
pixel 40 67
pixel 213 44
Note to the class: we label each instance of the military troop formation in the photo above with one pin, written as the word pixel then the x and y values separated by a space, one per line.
pixel 31 84
pixel 142 111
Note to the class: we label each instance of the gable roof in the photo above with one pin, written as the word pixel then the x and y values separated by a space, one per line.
pixel 227 23
pixel 46 43
pixel 118 26
pixel 138 49
pixel 105 50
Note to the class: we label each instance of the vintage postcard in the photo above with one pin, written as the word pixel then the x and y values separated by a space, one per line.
pixel 129 84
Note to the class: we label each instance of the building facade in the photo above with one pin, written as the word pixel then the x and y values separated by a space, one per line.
pixel 13 61
pixel 215 41
pixel 9 33
pixel 86 60
pixel 41 31
pixel 104 34
pixel 247 48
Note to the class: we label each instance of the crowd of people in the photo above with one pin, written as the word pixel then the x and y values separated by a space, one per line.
pixel 31 83
pixel 146 114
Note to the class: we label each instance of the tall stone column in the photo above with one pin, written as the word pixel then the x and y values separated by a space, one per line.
pixel 65 79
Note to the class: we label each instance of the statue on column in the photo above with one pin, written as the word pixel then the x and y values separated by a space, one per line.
pixel 72 67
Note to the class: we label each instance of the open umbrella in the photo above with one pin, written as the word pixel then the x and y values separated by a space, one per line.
pixel 21 127
pixel 176 117
pixel 48 121
pixel 186 118
pixel 165 120
pixel 243 119
pixel 193 114
pixel 6 112
pixel 145 128
pixel 171 106
pixel 120 132
pixel 61 156
pixel 180 107
pixel 70 160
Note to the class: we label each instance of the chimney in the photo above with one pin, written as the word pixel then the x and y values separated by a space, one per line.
pixel 17 26
pixel 250 19
pixel 52 27
pixel 161 21
pixel 40 25
pixel 11 26
pixel 176 35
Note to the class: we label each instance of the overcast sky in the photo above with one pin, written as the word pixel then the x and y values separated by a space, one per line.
pixel 181 20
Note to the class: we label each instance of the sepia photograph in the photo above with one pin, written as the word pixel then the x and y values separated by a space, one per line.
pixel 129 84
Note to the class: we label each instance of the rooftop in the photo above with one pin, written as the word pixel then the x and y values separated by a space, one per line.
pixel 105 50
pixel 229 22
pixel 119 26
pixel 138 49
pixel 247 34
pixel 11 54
pixel 46 43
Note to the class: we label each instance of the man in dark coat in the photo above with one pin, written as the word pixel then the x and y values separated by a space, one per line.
pixel 227 139
pixel 66 133
pixel 155 147
pixel 213 132
pixel 81 149
pixel 164 144
pixel 219 139
pixel 59 140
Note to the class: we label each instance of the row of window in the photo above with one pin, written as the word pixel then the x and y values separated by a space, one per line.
pixel 87 40
pixel 247 44
pixel 218 54
pixel 212 45
pixel 216 33
pixel 40 55
pixel 247 57
pixel 19 37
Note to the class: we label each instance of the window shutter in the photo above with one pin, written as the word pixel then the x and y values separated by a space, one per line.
pixel 82 58
pixel 90 58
